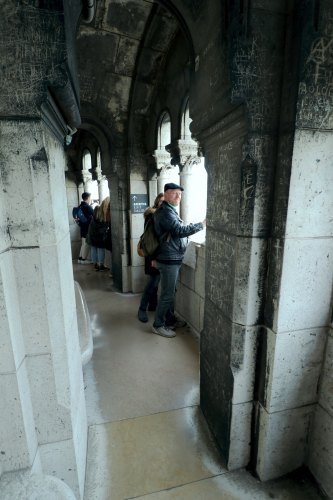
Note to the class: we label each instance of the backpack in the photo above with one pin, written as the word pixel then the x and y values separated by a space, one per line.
pixel 149 241
pixel 79 216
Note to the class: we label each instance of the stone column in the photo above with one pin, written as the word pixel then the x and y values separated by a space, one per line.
pixel 103 188
pixel 194 199
pixel 44 426
pixel 167 172
pixel 87 181
pixel 298 304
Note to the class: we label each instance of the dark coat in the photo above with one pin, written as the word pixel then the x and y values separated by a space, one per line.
pixel 88 212
pixel 99 233
pixel 174 235
pixel 151 271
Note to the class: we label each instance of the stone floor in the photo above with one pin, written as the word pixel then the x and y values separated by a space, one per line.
pixel 147 436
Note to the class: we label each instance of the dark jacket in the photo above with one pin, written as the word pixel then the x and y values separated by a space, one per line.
pixel 151 271
pixel 88 212
pixel 174 235
pixel 99 233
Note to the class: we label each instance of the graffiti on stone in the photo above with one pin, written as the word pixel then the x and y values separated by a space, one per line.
pixel 316 86
pixel 248 191
pixel 36 40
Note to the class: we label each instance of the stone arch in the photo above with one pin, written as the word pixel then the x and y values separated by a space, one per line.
pixel 163 130
pixel 185 120
pixel 171 7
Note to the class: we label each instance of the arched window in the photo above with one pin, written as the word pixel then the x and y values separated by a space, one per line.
pixel 197 182
pixel 86 160
pixel 90 185
pixel 186 120
pixel 98 160
pixel 164 131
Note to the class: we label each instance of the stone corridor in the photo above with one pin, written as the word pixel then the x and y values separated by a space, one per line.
pixel 147 437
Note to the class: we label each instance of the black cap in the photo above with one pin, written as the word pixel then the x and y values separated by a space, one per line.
pixel 172 185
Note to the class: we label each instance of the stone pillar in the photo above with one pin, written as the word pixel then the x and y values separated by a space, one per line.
pixel 294 424
pixel 103 188
pixel 194 198
pixel 119 223
pixel 87 181
pixel 44 424
pixel 167 172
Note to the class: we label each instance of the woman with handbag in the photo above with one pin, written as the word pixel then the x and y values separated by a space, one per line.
pixel 99 234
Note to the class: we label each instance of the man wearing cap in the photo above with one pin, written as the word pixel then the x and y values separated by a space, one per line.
pixel 173 236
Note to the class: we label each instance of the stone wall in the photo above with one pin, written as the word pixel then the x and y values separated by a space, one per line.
pixel 44 426
pixel 43 408
pixel 190 296
pixel 73 200
pixel 320 454
pixel 300 267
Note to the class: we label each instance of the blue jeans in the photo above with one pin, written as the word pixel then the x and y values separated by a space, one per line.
pixel 165 307
pixel 97 255
pixel 152 283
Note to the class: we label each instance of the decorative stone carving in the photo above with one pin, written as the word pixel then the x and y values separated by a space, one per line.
pixel 184 153
pixel 162 158
pixel 168 172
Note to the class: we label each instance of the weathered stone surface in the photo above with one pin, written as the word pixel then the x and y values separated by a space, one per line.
pixel 161 31
pixel 46 402
pixel 23 85
pixel 282 441
pixel 315 88
pixel 240 436
pixel 84 325
pixel 326 388
pixel 188 305
pixel 234 275
pixel 126 56
pixel 306 284
pixel 227 369
pixel 137 278
pixel 243 362
pixel 126 18
pixel 320 457
pixel 187 276
pixel 11 343
pixel 17 433
pixel 92 75
pixel 311 186
pixel 293 367
pixel 117 102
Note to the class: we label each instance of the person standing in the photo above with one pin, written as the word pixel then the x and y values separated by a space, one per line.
pixel 84 226
pixel 173 236
pixel 149 296
pixel 99 234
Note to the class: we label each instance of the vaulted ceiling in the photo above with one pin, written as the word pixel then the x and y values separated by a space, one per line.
pixel 122 33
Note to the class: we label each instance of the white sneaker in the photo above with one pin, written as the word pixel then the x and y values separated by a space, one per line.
pixel 164 331
pixel 86 261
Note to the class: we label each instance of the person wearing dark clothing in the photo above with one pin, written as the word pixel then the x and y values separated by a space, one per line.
pixel 84 227
pixel 99 234
pixel 149 296
pixel 173 236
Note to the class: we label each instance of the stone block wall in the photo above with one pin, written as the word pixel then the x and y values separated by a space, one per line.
pixel 320 453
pixel 73 195
pixel 190 296
pixel 44 425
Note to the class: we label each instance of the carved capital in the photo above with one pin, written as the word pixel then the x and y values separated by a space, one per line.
pixel 162 158
pixel 184 153
pixel 86 176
